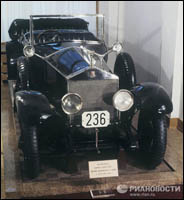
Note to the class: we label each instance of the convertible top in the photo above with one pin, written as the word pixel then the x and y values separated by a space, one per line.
pixel 21 26
pixel 66 35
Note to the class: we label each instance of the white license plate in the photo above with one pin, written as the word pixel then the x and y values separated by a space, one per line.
pixel 95 119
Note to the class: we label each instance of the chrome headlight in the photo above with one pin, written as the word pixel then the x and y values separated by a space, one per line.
pixel 71 103
pixel 29 51
pixel 123 100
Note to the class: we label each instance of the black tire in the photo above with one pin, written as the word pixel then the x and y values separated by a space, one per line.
pixel 152 134
pixel 125 69
pixel 31 152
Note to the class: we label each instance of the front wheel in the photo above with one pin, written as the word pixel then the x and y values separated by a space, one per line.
pixel 152 134
pixel 31 152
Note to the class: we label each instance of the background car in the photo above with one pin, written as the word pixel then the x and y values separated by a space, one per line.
pixel 67 98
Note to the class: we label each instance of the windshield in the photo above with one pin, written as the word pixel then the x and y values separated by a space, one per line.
pixel 65 55
pixel 68 61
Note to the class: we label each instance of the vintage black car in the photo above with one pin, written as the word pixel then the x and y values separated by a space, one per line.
pixel 67 99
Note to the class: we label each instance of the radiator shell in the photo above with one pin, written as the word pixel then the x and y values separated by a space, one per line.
pixel 96 93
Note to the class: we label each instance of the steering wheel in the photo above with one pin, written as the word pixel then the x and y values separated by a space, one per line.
pixel 57 33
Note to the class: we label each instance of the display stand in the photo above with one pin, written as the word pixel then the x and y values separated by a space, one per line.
pixel 67 176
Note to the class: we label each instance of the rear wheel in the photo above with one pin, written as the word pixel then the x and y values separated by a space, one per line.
pixel 152 133
pixel 125 69
pixel 31 152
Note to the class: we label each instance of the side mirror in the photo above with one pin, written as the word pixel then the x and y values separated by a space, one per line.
pixel 117 47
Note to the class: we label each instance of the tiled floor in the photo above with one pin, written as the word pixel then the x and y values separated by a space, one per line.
pixel 53 181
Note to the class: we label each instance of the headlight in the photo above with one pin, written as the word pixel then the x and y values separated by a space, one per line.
pixel 29 51
pixel 71 103
pixel 123 100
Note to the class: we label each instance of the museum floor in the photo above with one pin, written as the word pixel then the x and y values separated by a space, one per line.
pixel 53 182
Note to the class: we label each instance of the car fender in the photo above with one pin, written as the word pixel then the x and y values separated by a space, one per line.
pixel 31 105
pixel 13 52
pixel 152 97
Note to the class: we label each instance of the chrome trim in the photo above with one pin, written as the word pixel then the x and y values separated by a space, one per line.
pixel 64 49
pixel 78 72
pixel 31 31
pixel 84 41
pixel 25 40
pixel 66 76
pixel 72 74
pixel 103 31
pixel 74 15
pixel 85 69
pixel 112 75
pixel 56 52
pixel 12 85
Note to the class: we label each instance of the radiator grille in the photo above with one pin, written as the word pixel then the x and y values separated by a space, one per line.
pixel 96 96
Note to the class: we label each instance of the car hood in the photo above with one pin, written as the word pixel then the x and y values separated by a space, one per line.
pixel 94 74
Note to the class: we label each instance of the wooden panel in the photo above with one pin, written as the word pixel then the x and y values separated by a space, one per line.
pixel 180 125
pixel 2 172
pixel 3 58
pixel 3 68
pixel 4 76
pixel 176 123
pixel 173 122
pixel 3 48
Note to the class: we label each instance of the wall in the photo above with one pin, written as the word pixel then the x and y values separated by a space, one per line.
pixel 104 9
pixel 141 34
pixel 11 10
pixel 169 31
pixel 148 31
pixel 177 89
pixel 139 29
pixel 110 11
pixel 181 103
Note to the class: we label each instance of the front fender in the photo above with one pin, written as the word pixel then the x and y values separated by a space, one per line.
pixel 31 105
pixel 152 97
